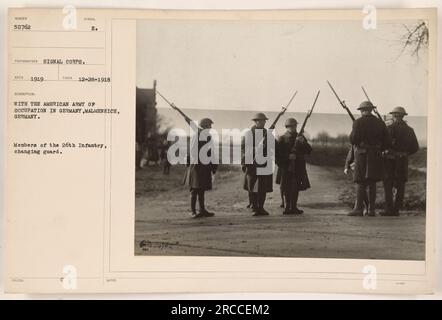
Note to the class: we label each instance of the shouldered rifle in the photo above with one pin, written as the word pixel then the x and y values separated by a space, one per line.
pixel 309 113
pixel 375 108
pixel 188 120
pixel 273 125
pixel 284 109
pixel 342 102
pixel 293 151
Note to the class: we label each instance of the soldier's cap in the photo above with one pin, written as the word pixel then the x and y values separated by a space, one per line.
pixel 399 110
pixel 290 122
pixel 366 105
pixel 260 116
pixel 205 122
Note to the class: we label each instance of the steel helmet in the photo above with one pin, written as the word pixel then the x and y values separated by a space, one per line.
pixel 366 105
pixel 260 116
pixel 399 110
pixel 205 122
pixel 290 122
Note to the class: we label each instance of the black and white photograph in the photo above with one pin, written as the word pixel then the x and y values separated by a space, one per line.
pixel 314 135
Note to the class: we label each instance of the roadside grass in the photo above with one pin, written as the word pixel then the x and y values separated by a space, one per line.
pixel 334 155
pixel 150 180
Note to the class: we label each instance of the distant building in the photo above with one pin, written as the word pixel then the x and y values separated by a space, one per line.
pixel 146 125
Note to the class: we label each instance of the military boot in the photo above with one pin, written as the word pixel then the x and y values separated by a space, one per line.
pixel 371 200
pixel 287 207
pixel 388 211
pixel 193 197
pixel 356 213
pixel 388 193
pixel 283 201
pixel 358 210
pixel 399 199
pixel 198 215
pixel 206 213
pixel 250 205
pixel 294 203
pixel 260 211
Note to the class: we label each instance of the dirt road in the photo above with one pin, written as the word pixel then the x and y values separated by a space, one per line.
pixel 164 226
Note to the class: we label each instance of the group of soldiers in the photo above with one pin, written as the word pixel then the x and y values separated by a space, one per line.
pixel 379 152
pixel 292 177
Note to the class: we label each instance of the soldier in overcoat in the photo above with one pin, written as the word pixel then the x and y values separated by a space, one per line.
pixel 291 148
pixel 370 138
pixel 403 144
pixel 257 185
pixel 198 175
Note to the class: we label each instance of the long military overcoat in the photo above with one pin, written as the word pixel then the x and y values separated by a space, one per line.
pixel 199 175
pixel 292 176
pixel 404 143
pixel 253 182
pixel 370 138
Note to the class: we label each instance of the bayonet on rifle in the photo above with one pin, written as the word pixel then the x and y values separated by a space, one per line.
pixel 309 113
pixel 284 109
pixel 188 120
pixel 342 102
pixel 375 108
pixel 365 92
pixel 273 125
pixel 293 151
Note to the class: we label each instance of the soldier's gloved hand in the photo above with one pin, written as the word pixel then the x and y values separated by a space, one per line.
pixel 346 171
pixel 301 139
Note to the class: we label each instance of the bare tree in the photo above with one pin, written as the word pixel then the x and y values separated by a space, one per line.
pixel 415 38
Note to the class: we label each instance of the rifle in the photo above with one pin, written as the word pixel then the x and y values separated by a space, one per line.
pixel 301 132
pixel 309 113
pixel 342 102
pixel 284 109
pixel 188 120
pixel 375 108
pixel 273 125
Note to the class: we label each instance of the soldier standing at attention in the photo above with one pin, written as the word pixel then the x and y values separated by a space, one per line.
pixel 257 185
pixel 290 160
pixel 403 144
pixel 370 138
pixel 198 176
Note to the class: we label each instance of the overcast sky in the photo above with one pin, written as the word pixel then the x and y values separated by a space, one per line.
pixel 257 65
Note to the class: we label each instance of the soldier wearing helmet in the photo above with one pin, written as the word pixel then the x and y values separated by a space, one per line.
pixel 206 123
pixel 256 185
pixel 198 176
pixel 293 178
pixel 370 138
pixel 403 144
